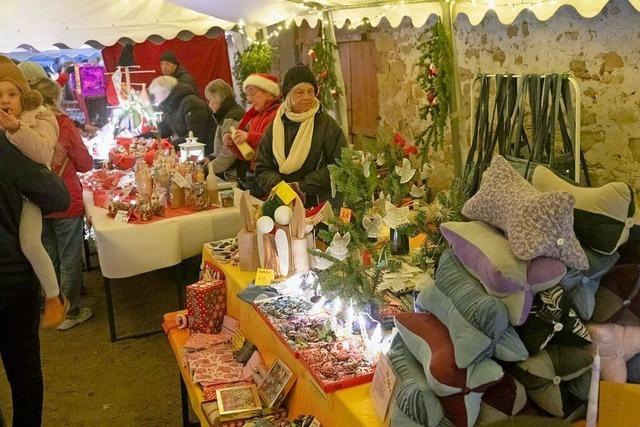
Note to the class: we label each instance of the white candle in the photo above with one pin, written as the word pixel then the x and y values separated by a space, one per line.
pixel 592 407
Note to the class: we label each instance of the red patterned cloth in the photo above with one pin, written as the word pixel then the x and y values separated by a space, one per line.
pixel 206 306
pixel 203 341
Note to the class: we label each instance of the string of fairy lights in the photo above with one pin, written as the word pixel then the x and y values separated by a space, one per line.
pixel 385 7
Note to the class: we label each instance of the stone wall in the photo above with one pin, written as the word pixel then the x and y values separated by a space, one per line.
pixel 602 52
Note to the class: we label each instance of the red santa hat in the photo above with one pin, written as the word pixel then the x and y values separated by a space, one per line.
pixel 266 82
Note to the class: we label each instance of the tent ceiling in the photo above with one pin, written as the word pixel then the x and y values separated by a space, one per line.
pixel 41 23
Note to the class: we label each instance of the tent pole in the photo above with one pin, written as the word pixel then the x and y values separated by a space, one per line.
pixel 456 119
pixel 341 102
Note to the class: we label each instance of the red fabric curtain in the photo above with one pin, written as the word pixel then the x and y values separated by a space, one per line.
pixel 204 58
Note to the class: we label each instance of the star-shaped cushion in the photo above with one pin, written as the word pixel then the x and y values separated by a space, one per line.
pixel 616 344
pixel 537 224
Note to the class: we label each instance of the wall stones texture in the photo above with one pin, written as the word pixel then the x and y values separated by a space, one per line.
pixel 603 53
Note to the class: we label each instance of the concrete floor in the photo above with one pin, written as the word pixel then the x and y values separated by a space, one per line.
pixel 91 382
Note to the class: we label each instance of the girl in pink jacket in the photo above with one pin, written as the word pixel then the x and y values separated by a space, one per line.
pixel 33 129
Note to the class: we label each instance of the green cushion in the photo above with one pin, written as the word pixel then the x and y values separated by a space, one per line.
pixel 603 216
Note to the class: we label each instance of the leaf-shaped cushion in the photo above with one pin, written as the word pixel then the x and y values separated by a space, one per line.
pixel 478 323
pixel 414 397
pixel 603 216
pixel 504 400
pixel 552 320
pixel 617 344
pixel 536 224
pixel 552 378
pixel 459 390
pixel 486 254
pixel 618 297
pixel 581 286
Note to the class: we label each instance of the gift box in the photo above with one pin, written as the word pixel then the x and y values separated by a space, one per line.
pixel 206 306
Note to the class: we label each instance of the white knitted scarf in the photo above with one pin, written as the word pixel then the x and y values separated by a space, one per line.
pixel 302 142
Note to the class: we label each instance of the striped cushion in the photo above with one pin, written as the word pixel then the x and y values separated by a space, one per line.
pixel 459 390
pixel 478 323
pixel 603 216
pixel 487 255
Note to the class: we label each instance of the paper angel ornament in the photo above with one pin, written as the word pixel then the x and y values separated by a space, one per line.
pixel 396 217
pixel 337 249
pixel 380 159
pixel 405 172
pixel 372 225
pixel 425 171
pixel 417 192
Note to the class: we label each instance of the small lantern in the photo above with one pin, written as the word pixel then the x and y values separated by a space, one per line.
pixel 192 150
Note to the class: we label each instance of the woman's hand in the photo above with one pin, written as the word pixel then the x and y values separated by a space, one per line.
pixel 8 122
pixel 240 137
pixel 226 138
pixel 204 162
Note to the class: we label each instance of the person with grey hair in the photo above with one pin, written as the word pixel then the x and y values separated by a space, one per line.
pixel 226 112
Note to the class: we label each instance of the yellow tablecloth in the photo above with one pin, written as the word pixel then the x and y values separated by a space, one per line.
pixel 349 407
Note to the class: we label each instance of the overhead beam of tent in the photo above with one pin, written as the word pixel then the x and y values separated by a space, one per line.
pixel 77 22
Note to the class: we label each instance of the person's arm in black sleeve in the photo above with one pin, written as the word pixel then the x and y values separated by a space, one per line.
pixel 40 185
pixel 267 173
pixel 319 181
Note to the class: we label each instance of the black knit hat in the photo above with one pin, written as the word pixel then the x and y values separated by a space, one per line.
pixel 298 74
pixel 169 56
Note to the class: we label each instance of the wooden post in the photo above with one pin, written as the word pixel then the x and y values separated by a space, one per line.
pixel 457 121
pixel 341 102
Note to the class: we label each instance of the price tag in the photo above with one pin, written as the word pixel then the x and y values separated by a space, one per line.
pixel 384 381
pixel 179 179
pixel 237 341
pixel 264 276
pixel 126 191
pixel 285 192
pixel 122 216
pixel 345 215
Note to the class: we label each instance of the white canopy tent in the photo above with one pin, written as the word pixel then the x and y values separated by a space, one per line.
pixel 40 24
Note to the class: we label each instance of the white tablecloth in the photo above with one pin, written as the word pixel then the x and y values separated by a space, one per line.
pixel 127 250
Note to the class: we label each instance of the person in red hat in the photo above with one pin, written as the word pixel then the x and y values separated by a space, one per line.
pixel 263 92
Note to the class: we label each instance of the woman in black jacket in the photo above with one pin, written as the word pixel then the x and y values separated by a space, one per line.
pixel 182 111
pixel 226 113
pixel 302 140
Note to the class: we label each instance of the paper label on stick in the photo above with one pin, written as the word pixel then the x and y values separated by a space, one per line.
pixel 384 381
pixel 264 276
pixel 122 216
pixel 345 215
pixel 188 180
pixel 179 179
pixel 285 192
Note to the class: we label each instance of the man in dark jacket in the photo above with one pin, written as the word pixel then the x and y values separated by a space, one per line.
pixel 182 111
pixel 19 289
pixel 170 66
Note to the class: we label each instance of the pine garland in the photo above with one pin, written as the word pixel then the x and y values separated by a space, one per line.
pixel 322 64
pixel 436 79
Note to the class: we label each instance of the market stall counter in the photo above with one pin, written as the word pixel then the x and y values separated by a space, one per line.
pixel 127 250
pixel 348 407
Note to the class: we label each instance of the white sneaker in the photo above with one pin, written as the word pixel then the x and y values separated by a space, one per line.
pixel 71 321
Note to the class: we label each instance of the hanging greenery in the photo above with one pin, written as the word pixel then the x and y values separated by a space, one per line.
pixel 257 58
pixel 322 64
pixel 436 79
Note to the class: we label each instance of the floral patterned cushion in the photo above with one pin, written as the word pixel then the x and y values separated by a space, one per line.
pixel 603 216
pixel 552 320
pixel 536 224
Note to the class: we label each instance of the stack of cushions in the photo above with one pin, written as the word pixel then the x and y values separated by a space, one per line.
pixel 581 286
pixel 553 321
pixel 556 378
pixel 486 254
pixel 616 344
pixel 618 297
pixel 536 224
pixel 459 390
pixel 604 216
pixel 414 398
pixel 504 400
pixel 478 323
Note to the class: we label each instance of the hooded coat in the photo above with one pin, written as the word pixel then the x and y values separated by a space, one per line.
pixel 184 111
pixel 183 76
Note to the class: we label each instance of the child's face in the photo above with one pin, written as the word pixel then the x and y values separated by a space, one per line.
pixel 10 98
